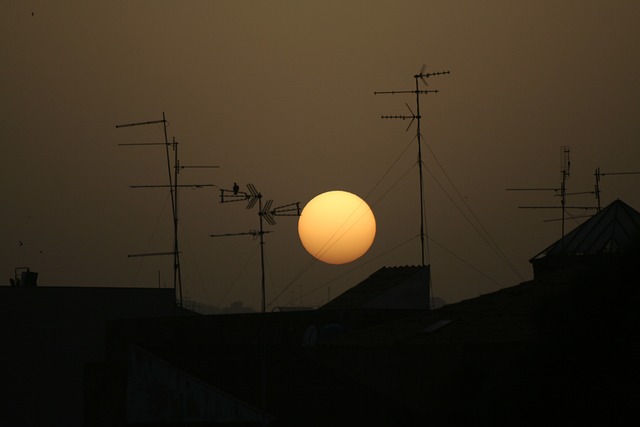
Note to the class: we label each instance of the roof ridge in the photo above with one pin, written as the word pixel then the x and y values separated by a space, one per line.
pixel 593 235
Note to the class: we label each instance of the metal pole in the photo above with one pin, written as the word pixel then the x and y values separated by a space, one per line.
pixel 172 192
pixel 563 190
pixel 597 174
pixel 177 277
pixel 422 246
pixel 263 305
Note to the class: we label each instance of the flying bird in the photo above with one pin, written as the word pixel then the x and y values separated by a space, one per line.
pixel 20 243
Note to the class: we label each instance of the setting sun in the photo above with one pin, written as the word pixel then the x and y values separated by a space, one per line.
pixel 337 227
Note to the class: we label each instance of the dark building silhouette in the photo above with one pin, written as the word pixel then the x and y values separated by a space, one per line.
pixel 26 277
pixel 558 349
pixel 212 369
pixel 563 345
pixel 607 239
pixel 49 334
pixel 396 288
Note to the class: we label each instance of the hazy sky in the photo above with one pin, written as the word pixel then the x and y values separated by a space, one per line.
pixel 279 94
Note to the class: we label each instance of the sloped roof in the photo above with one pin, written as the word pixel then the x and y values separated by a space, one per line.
pixel 383 283
pixel 493 339
pixel 615 229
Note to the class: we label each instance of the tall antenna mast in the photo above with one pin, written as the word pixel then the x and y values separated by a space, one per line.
pixel 565 172
pixel 265 213
pixel 422 76
pixel 173 190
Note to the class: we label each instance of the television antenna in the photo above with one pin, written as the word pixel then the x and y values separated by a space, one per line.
pixel 265 213
pixel 415 116
pixel 565 173
pixel 173 190
pixel 599 174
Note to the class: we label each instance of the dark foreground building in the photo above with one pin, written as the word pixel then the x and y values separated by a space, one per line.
pixel 252 369
pixel 49 334
pixel 608 239
pixel 560 350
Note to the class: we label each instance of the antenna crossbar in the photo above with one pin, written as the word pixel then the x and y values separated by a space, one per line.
pixel 599 174
pixel 174 186
pixel 427 75
pixel 150 122
pixel 253 233
pixel 532 189
pixel 292 209
pixel 144 143
pixel 393 92
pixel 417 91
pixel 150 254
pixel 399 117
pixel 265 213
pixel 619 173
pixel 572 217
pixel 577 193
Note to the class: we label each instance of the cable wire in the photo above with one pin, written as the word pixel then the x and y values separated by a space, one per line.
pixel 235 280
pixel 464 261
pixel 477 226
pixel 315 260
pixel 347 272
pixel 153 232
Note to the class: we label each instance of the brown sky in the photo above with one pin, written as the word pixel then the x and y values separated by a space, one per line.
pixel 280 95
